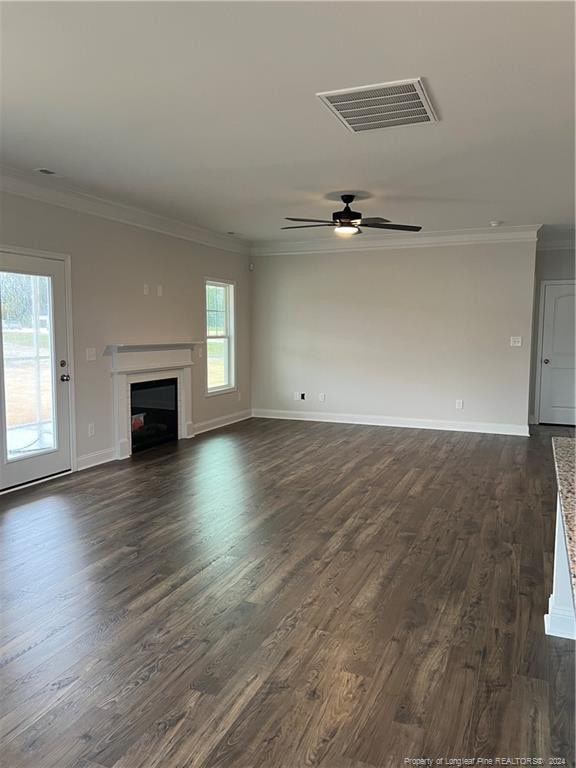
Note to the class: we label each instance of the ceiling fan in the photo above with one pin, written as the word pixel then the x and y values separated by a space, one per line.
pixel 347 222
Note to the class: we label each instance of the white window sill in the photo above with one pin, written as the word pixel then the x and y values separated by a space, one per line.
pixel 222 391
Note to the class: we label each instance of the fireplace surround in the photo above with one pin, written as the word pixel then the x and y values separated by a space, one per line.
pixel 135 363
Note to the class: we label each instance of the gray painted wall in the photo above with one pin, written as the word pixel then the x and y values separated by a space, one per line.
pixel 396 334
pixel 110 263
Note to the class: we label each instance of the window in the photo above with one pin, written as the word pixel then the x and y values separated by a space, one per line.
pixel 220 366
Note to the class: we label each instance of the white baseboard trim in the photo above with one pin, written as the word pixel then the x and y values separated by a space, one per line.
pixel 101 457
pixel 93 459
pixel 560 624
pixel 108 454
pixel 492 428
pixel 221 421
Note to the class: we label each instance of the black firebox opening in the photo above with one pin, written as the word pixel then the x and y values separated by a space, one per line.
pixel 154 410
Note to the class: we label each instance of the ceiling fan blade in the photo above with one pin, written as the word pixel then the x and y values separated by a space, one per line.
pixel 308 226
pixel 375 220
pixel 401 227
pixel 319 221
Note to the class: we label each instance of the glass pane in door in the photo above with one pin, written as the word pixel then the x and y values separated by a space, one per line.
pixel 27 344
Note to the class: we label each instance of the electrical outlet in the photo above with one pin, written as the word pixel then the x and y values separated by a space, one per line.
pixel 459 405
pixel 91 430
pixel 322 397
pixel 515 341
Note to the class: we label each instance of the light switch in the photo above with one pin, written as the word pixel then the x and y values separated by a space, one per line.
pixel 90 353
pixel 146 289
pixel 515 341
pixel 159 290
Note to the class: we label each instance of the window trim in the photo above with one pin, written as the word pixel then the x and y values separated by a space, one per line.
pixel 232 362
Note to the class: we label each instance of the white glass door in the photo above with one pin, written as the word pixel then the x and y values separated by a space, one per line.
pixel 35 380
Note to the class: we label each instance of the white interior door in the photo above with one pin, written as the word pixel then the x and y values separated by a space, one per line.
pixel 557 390
pixel 35 379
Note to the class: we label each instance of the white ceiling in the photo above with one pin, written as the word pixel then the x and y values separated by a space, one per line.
pixel 206 112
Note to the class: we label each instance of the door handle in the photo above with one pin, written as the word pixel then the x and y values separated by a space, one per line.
pixel 65 377
pixel 546 361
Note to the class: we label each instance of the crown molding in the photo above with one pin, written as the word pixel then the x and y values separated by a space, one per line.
pixel 54 193
pixel 525 234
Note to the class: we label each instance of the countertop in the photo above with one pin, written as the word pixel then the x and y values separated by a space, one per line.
pixel 565 461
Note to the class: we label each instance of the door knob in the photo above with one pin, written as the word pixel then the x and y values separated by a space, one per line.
pixel 65 377
pixel 546 361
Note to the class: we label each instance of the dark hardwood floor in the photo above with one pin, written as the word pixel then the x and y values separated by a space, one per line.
pixel 286 594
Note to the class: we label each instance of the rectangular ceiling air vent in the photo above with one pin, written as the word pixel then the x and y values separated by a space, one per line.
pixel 370 107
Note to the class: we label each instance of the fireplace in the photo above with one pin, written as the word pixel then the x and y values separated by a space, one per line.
pixel 153 412
pixel 143 363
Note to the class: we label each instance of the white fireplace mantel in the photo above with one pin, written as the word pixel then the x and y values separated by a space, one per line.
pixel 133 363
pixel 114 349
pixel 162 356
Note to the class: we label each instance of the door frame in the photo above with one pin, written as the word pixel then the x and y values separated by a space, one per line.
pixel 65 258
pixel 540 343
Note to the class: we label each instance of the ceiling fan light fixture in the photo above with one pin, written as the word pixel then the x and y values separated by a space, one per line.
pixel 346 230
pixel 347 222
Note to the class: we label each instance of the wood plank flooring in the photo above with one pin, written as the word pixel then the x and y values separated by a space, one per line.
pixel 286 594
